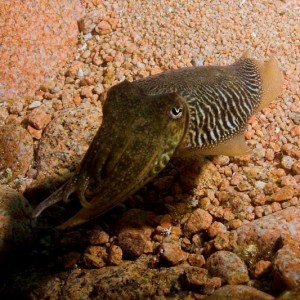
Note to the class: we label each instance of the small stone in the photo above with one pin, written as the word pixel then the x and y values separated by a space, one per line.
pixel 228 266
pixel 172 254
pixel 211 285
pixel 38 118
pixel 95 256
pixel 285 193
pixel 287 162
pixel 34 104
pixel 236 179
pixel 295 131
pixel 196 260
pixel 103 28
pixel 87 91
pixel 98 237
pixel 194 277
pixel 35 133
pixel 240 292
pixel 198 221
pixel 288 180
pixel 270 154
pixel 99 89
pixel 236 223
pixel 115 255
pixel 221 160
pixel 216 228
pixel 16 107
pixel 132 242
pixel 261 267
pixel 222 241
pixel 296 168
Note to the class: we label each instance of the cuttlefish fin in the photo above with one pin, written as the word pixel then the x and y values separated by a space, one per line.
pixel 232 147
pixel 272 81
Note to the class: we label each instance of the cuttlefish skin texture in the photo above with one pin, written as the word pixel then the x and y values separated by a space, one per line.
pixel 138 136
pixel 221 101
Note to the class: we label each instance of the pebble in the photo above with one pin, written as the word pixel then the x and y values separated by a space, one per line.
pixel 103 28
pixel 35 133
pixel 16 107
pixel 133 241
pixel 172 254
pixel 295 131
pixel 240 292
pixel 296 168
pixel 194 278
pixel 115 255
pixel 38 118
pixel 199 220
pixel 285 193
pixel 261 267
pixel 98 237
pixel 95 256
pixel 216 228
pixel 287 162
pixel 16 151
pixel 196 260
pixel 228 266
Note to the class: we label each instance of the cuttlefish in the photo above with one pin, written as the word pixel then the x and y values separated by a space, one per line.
pixel 137 138
pixel 200 110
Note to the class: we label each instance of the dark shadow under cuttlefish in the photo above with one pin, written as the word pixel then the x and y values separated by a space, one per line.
pixel 183 112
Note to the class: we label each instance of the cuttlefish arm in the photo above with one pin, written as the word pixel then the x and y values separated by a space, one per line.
pixel 138 136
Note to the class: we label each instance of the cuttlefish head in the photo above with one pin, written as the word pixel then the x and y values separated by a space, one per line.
pixel 137 138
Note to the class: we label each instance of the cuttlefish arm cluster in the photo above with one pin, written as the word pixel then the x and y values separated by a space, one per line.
pixel 188 111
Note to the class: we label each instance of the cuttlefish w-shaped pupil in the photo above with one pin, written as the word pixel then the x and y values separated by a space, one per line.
pixel 175 112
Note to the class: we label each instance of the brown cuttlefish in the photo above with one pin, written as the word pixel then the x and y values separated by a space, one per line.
pixel 138 136
pixel 190 111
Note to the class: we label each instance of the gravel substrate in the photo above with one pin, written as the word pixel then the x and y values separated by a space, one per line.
pixel 192 222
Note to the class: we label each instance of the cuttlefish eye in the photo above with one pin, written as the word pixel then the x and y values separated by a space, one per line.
pixel 175 112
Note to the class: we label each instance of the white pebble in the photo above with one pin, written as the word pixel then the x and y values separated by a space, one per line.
pixel 260 184
pixel 80 73
pixel 287 162
pixel 87 36
pixel 34 104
